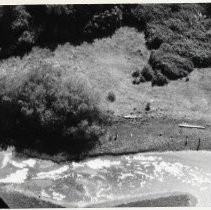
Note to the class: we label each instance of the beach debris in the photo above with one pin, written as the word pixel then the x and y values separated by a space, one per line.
pixel 186 141
pixel 131 116
pixel 116 135
pixel 198 146
pixel 147 108
pixel 185 125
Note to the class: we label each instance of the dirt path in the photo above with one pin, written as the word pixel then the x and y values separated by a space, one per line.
pixel 151 133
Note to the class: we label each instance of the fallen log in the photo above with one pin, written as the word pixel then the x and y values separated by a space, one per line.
pixel 131 116
pixel 185 125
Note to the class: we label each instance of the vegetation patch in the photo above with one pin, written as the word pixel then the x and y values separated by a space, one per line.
pixel 180 35
pixel 136 73
pixel 183 28
pixel 46 110
pixel 147 73
pixel 111 97
pixel 48 103
pixel 147 108
pixel 173 66
pixel 159 79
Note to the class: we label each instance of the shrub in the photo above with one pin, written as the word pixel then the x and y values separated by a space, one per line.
pixel 111 97
pixel 171 65
pixel 147 72
pixel 138 77
pixel 159 79
pixel 17 34
pixel 176 24
pixel 156 34
pixel 104 23
pixel 180 34
pixel 147 108
pixel 198 52
pixel 142 79
pixel 149 13
pixel 136 81
pixel 45 110
pixel 136 73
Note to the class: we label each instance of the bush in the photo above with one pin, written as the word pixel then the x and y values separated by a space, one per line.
pixel 147 72
pixel 46 111
pixel 156 34
pixel 136 73
pixel 147 108
pixel 149 13
pixel 111 97
pixel 138 80
pixel 159 79
pixel 198 52
pixel 17 35
pixel 142 79
pixel 179 33
pixel 104 23
pixel 171 65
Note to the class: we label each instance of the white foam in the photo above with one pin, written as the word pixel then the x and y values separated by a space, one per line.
pixel 199 179
pixel 30 162
pixel 44 194
pixel 6 160
pixel 146 158
pixel 76 165
pixel 203 188
pixel 17 164
pixel 26 163
pixel 172 169
pixel 144 174
pixel 99 164
pixel 57 196
pixel 124 176
pixel 18 177
pixel 55 174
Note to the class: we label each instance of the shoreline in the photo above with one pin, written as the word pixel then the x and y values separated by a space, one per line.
pixel 153 200
pixel 147 134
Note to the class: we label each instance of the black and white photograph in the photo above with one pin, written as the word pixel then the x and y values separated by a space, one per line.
pixel 105 105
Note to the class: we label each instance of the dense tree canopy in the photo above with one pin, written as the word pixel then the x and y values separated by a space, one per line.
pixel 184 28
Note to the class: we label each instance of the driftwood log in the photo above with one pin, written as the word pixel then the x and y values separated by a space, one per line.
pixel 184 125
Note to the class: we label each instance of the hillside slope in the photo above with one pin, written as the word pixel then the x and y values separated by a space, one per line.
pixel 107 65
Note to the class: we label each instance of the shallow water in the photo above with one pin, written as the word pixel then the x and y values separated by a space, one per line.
pixel 108 179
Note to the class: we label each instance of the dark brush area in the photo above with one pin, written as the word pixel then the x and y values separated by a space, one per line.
pixel 42 112
pixel 180 33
